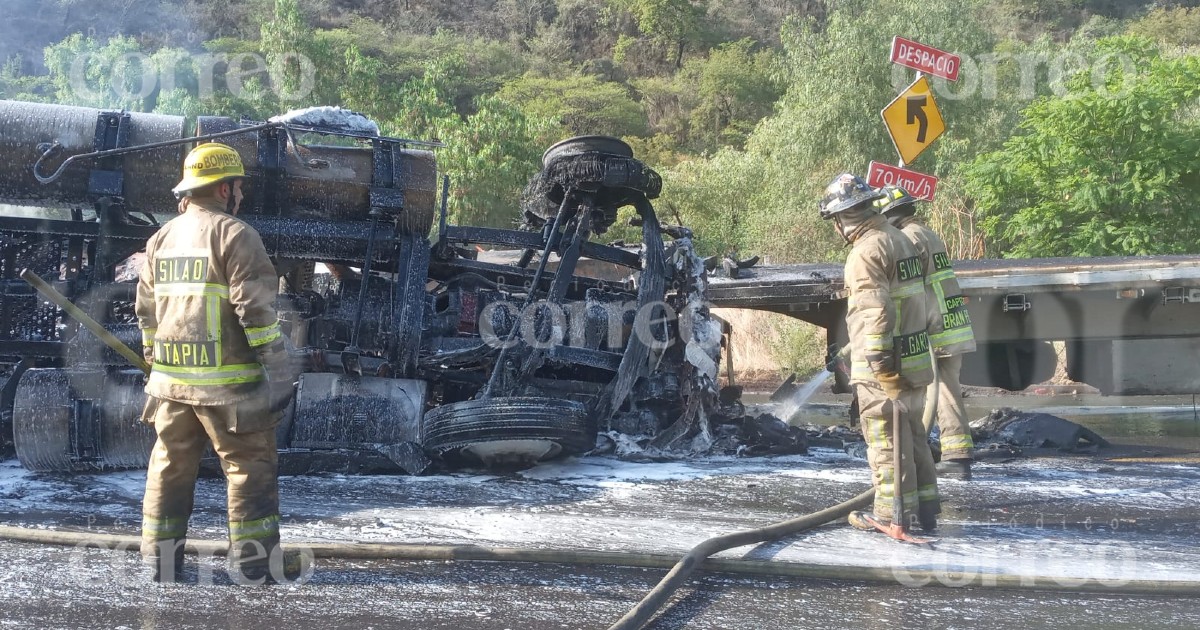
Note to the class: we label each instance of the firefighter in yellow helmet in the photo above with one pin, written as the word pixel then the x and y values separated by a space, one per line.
pixel 219 370
pixel 950 329
pixel 889 353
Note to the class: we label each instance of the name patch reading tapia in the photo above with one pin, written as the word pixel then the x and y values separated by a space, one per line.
pixel 186 353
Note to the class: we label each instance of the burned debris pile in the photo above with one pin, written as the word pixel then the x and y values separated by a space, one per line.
pixel 1034 430
pixel 1003 433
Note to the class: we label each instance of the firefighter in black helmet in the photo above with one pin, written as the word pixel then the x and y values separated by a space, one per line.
pixel 889 352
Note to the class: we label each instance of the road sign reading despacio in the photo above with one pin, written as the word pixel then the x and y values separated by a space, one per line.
pixel 926 59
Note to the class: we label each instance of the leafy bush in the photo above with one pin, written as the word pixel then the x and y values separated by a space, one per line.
pixel 1110 168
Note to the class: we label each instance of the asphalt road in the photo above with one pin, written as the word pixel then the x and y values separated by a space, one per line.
pixel 1076 518
pixel 52 588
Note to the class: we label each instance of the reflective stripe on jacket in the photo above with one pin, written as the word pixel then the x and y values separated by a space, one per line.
pixel 886 312
pixel 205 304
pixel 950 329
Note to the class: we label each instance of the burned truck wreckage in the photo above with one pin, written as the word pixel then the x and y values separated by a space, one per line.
pixel 414 350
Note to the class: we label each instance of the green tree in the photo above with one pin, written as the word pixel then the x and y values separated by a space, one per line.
pixel 227 18
pixel 734 87
pixel 1110 168
pixel 490 157
pixel 522 18
pixel 425 103
pixel 304 66
pixel 16 85
pixel 115 74
pixel 667 103
pixel 362 89
pixel 1028 19
pixel 671 24
pixel 712 196
pixel 581 104
pixel 1179 26
pixel 228 79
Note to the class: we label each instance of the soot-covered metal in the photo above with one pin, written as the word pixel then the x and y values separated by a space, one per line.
pixel 415 352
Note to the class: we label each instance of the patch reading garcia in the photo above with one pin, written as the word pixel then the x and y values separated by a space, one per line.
pixel 186 353
pixel 912 345
pixel 956 315
pixel 909 268
pixel 941 261
pixel 181 269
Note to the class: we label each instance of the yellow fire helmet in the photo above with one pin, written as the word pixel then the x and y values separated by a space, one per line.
pixel 209 163
pixel 896 202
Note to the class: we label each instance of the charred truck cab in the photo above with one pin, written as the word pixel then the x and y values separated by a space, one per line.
pixel 414 351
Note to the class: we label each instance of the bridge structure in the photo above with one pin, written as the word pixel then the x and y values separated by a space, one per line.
pixel 1129 324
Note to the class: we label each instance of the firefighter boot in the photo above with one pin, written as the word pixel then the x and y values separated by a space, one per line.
pixel 284 567
pixel 164 559
pixel 955 469
pixel 927 516
pixel 866 522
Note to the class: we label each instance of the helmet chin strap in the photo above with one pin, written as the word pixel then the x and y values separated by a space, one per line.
pixel 852 223
pixel 841 228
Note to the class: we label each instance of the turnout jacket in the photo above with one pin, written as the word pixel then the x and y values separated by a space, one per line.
pixel 886 311
pixel 205 305
pixel 950 329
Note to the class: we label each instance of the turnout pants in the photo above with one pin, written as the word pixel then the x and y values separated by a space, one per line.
pixel 918 478
pixel 951 413
pixel 246 448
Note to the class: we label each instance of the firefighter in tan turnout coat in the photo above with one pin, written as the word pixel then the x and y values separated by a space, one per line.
pixel 889 351
pixel 950 329
pixel 219 375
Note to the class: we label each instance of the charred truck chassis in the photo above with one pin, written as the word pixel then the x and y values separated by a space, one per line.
pixel 412 353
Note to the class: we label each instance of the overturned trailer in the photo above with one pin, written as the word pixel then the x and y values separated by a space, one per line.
pixel 412 350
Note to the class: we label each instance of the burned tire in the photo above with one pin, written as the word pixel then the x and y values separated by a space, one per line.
pixel 586 144
pixel 80 421
pixel 508 430
pixel 602 166
pixel 6 436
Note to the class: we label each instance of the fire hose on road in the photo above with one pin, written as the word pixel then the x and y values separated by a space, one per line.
pixel 696 559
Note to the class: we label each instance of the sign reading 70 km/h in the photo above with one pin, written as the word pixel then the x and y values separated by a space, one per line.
pixel 918 185
pixel 913 120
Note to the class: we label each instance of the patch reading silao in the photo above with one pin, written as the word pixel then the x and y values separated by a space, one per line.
pixel 941 261
pixel 186 353
pixel 909 268
pixel 181 269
